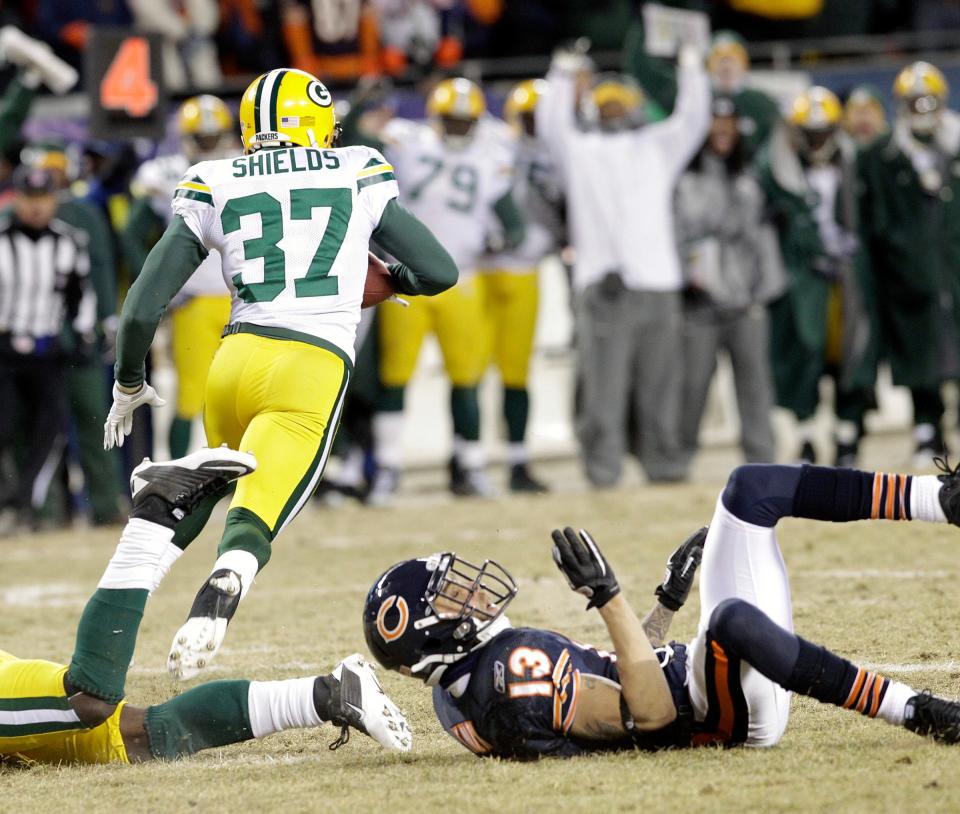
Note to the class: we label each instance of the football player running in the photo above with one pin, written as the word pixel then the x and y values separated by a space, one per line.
pixel 508 283
pixel 202 306
pixel 522 693
pixel 48 717
pixel 291 219
pixel 455 180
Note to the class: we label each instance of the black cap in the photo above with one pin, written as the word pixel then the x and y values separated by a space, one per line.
pixel 33 180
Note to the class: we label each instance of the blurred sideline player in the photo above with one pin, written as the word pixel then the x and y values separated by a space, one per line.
pixel 44 717
pixel 524 693
pixel 202 307
pixel 823 325
pixel 864 116
pixel 508 283
pixel 911 196
pixel 455 180
pixel 291 219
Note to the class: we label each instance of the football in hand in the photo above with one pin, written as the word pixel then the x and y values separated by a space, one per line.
pixel 379 285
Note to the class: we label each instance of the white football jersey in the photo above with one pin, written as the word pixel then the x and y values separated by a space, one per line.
pixel 451 190
pixel 292 227
pixel 538 195
pixel 156 180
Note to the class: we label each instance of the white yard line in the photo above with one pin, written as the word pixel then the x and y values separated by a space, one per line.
pixel 930 667
pixel 873 573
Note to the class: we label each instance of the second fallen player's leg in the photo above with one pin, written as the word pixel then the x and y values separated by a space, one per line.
pixel 746 656
pixel 285 397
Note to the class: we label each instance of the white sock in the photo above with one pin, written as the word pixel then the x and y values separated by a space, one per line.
pixel 846 432
pixel 894 703
pixel 517 454
pixel 351 472
pixel 143 557
pixel 388 439
pixel 240 562
pixel 278 705
pixel 470 454
pixel 925 499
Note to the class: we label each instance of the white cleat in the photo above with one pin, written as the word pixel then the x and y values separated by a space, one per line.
pixel 365 706
pixel 199 638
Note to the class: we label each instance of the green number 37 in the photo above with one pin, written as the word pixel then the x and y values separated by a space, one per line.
pixel 317 282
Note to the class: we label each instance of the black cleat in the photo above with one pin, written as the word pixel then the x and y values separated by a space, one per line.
pixel 937 717
pixel 950 491
pixel 522 481
pixel 846 456
pixel 180 485
pixel 808 455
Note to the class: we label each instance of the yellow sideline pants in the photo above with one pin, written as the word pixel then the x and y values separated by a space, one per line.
pixel 281 400
pixel 196 328
pixel 455 317
pixel 510 301
pixel 37 723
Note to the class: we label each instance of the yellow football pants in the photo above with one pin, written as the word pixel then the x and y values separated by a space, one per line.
pixel 37 723
pixel 510 301
pixel 454 316
pixel 196 328
pixel 281 400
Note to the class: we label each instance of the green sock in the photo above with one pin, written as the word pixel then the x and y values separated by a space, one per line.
pixel 516 409
pixel 106 637
pixel 189 528
pixel 390 399
pixel 465 409
pixel 213 714
pixel 179 438
pixel 245 531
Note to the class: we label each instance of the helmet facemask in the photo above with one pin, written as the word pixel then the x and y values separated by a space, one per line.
pixel 923 114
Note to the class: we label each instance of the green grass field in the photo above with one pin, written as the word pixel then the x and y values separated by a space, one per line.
pixel 881 594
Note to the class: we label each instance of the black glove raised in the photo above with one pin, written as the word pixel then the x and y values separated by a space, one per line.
pixel 681 568
pixel 585 568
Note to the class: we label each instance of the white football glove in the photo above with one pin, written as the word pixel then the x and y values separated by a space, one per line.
pixel 120 419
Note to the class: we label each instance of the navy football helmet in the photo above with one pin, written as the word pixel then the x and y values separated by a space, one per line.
pixel 423 615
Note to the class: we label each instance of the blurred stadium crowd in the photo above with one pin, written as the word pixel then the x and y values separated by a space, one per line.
pixel 802 232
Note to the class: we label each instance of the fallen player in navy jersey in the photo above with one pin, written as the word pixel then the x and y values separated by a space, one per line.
pixel 522 692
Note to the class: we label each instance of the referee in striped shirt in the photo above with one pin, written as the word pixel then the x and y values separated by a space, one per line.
pixel 47 310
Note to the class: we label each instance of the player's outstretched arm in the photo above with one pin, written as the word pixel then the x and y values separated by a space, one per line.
pixel 677 582
pixel 643 685
pixel 425 267
pixel 169 265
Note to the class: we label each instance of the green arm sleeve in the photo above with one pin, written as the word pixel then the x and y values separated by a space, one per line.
pixel 656 76
pixel 168 266
pixel 425 267
pixel 14 107
pixel 511 219
pixel 143 229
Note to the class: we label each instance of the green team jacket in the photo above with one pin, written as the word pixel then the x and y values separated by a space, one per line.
pixel 758 112
pixel 914 240
pixel 799 318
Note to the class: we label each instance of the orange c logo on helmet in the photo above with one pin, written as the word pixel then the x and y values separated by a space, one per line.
pixel 390 634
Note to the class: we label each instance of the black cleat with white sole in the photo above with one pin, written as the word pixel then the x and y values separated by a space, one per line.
pixel 166 492
pixel 351 697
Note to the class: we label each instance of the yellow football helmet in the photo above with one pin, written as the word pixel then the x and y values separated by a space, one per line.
pixel 522 99
pixel 816 109
pixel 921 92
pixel 287 107
pixel 455 106
pixel 921 79
pixel 205 126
